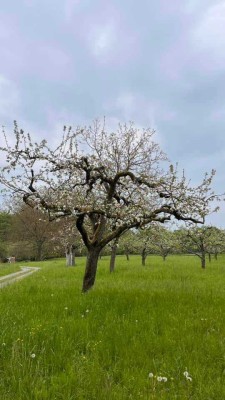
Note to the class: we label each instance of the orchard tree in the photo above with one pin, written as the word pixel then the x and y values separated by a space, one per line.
pixel 165 242
pixel 198 241
pixel 216 242
pixel 127 243
pixel 144 244
pixel 108 182
pixel 31 227
pixel 66 239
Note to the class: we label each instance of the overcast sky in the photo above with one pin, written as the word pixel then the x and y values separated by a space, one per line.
pixel 158 63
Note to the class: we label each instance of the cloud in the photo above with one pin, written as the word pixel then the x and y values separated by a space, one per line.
pixel 9 97
pixel 208 36
pixel 69 9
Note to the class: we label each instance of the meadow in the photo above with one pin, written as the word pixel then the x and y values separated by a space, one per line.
pixel 153 332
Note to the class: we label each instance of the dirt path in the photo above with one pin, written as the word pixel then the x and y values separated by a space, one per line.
pixel 16 276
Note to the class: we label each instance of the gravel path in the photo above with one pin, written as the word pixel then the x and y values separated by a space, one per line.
pixel 16 276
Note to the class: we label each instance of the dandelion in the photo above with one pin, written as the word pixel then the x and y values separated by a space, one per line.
pixel 52 295
pixel 3 344
pixel 159 378
pixel 151 375
pixel 66 308
pixel 164 379
pixel 33 355
pixel 82 316
pixel 189 378
pixel 186 374
pixel 87 311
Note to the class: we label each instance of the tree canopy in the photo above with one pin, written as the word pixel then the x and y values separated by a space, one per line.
pixel 107 182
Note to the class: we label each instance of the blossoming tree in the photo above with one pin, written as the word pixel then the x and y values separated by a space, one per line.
pixel 107 182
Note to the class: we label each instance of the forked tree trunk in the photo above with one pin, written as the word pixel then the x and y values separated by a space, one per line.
pixel 70 256
pixel 91 268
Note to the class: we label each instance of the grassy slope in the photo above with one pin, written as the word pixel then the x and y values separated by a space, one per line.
pixel 164 318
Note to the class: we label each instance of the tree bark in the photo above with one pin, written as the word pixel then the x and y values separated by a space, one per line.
pixel 216 255
pixel 39 253
pixel 209 257
pixel 91 268
pixel 127 255
pixel 203 260
pixel 143 257
pixel 70 256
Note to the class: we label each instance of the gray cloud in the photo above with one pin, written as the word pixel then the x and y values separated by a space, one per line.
pixel 156 63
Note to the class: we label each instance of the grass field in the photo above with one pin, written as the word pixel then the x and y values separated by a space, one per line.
pixel 6 269
pixel 167 318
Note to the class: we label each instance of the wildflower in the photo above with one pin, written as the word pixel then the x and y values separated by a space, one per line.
pixel 82 316
pixel 33 355
pixel 52 295
pixel 187 376
pixel 66 308
pixel 164 379
pixel 87 311
pixel 151 375
pixel 3 344
pixel 159 378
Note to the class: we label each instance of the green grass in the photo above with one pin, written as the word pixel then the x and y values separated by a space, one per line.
pixel 7 268
pixel 164 318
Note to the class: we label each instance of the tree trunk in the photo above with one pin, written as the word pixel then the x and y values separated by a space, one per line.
pixel 203 260
pixel 127 255
pixel 113 257
pixel 215 255
pixel 164 257
pixel 209 257
pixel 39 253
pixel 70 256
pixel 91 268
pixel 143 257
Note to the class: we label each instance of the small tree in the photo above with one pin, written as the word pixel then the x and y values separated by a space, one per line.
pixel 165 242
pixel 32 229
pixel 66 239
pixel 198 241
pixel 127 244
pixel 110 182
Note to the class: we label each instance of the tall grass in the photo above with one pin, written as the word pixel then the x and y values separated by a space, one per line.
pixel 166 318
pixel 6 268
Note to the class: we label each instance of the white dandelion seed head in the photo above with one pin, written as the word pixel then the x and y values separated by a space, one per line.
pixel 33 355
pixel 159 378
pixel 164 379
pixel 186 374
pixel 189 378
pixel 151 375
